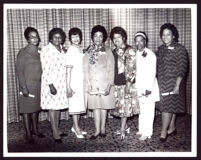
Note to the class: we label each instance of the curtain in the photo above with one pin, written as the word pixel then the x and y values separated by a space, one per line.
pixel 132 20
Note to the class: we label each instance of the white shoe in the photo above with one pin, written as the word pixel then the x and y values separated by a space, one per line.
pixel 119 132
pixel 142 138
pixel 77 135
pixel 83 132
pixel 138 133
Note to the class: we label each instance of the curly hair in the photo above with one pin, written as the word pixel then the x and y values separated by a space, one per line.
pixel 99 28
pixel 74 31
pixel 118 30
pixel 28 30
pixel 57 31
pixel 173 29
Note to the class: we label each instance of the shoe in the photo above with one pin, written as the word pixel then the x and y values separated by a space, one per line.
pixel 123 135
pixel 58 140
pixel 83 132
pixel 103 135
pixel 39 135
pixel 63 135
pixel 143 138
pixel 94 137
pixel 162 139
pixel 119 132
pixel 173 133
pixel 77 135
pixel 138 133
pixel 30 141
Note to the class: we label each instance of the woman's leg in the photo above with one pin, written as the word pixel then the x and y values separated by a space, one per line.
pixel 172 126
pixel 54 123
pixel 97 120
pixel 103 117
pixel 166 118
pixel 76 123
pixel 27 124
pixel 57 120
pixel 123 125
pixel 34 119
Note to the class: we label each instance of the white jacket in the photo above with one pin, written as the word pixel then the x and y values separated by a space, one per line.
pixel 146 76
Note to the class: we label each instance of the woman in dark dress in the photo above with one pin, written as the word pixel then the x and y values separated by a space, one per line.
pixel 29 75
pixel 172 64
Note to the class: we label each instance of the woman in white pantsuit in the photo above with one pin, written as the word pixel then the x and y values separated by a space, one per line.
pixel 146 84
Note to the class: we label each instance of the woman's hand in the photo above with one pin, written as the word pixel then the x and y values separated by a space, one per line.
pixel 25 91
pixel 69 92
pixel 53 90
pixel 176 89
pixel 107 91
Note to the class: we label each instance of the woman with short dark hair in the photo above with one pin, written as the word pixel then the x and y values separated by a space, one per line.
pixel 29 75
pixel 172 65
pixel 125 71
pixel 98 66
pixel 53 88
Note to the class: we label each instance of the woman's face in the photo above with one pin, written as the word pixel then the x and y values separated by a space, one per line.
pixel 56 39
pixel 140 43
pixel 33 38
pixel 98 38
pixel 167 36
pixel 75 39
pixel 118 40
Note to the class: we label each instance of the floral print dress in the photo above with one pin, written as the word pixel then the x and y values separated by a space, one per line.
pixel 126 104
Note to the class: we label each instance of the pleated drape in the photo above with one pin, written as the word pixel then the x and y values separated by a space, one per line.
pixel 131 19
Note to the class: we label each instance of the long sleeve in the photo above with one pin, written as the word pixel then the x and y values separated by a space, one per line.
pixel 20 65
pixel 181 61
pixel 48 63
pixel 85 63
pixel 110 66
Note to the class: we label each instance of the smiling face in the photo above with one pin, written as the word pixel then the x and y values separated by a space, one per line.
pixel 140 43
pixel 56 39
pixel 75 39
pixel 167 36
pixel 98 38
pixel 118 40
pixel 33 38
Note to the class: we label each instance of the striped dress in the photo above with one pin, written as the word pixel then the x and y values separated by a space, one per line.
pixel 172 62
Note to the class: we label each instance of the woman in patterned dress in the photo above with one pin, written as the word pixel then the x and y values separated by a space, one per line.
pixel 29 74
pixel 172 67
pixel 75 80
pixel 98 66
pixel 53 87
pixel 125 68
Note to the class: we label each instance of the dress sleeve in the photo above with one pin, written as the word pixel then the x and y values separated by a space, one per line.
pixel 20 66
pixel 85 63
pixel 182 61
pixel 48 63
pixel 110 66
pixel 130 67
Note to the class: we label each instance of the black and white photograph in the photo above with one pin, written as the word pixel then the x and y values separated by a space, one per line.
pixel 100 80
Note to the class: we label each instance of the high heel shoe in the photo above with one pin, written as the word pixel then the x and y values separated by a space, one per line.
pixel 58 140
pixel 103 135
pixel 123 135
pixel 39 135
pixel 77 135
pixel 173 133
pixel 94 137
pixel 83 132
pixel 119 132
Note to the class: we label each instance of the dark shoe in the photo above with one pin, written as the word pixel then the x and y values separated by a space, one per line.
pixel 94 137
pixel 58 140
pixel 103 135
pixel 173 133
pixel 30 141
pixel 63 135
pixel 162 139
pixel 39 135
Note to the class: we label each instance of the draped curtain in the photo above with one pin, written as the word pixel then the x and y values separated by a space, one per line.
pixel 131 19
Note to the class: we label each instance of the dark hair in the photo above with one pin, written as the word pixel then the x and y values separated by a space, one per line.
pixel 57 31
pixel 74 31
pixel 99 28
pixel 28 30
pixel 118 30
pixel 146 38
pixel 172 28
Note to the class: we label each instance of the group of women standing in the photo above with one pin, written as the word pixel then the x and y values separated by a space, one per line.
pixel 127 80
